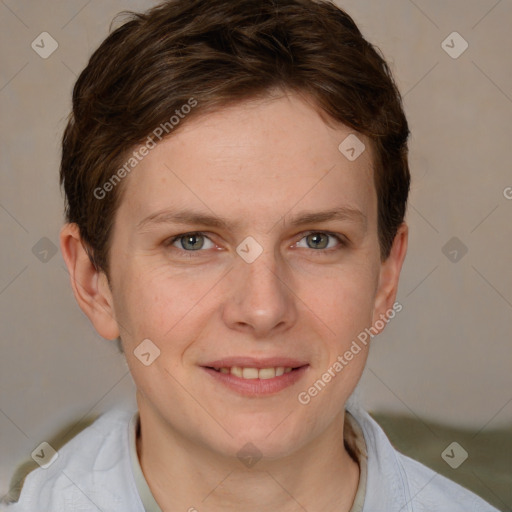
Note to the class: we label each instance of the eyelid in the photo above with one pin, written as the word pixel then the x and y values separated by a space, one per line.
pixel 170 241
pixel 343 242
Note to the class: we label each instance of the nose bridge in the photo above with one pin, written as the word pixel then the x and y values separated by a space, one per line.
pixel 259 297
pixel 265 275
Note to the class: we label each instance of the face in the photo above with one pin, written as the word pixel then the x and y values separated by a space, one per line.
pixel 246 244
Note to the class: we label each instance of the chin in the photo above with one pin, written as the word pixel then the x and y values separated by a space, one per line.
pixel 267 439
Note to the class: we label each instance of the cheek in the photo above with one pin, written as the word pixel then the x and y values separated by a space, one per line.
pixel 155 305
pixel 344 306
pixel 343 301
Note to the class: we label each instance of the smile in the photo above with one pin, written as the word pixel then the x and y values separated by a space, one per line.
pixel 258 380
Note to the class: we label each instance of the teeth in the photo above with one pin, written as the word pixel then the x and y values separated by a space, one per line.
pixel 236 371
pixel 266 373
pixel 255 373
pixel 250 373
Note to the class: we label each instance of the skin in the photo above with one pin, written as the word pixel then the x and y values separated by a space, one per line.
pixel 258 165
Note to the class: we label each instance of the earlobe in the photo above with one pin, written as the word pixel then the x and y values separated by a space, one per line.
pixel 390 274
pixel 90 285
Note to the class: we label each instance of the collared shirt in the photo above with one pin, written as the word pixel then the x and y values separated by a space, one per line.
pixel 94 472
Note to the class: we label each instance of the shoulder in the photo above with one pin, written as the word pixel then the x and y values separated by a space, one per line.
pixel 397 482
pixel 431 491
pixel 92 471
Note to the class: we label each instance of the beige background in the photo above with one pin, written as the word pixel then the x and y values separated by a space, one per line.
pixel 447 356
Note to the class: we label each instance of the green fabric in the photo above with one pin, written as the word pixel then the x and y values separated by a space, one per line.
pixel 488 469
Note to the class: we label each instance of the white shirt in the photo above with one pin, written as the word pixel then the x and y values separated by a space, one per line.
pixel 96 472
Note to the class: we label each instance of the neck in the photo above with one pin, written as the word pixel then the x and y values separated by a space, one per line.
pixel 320 476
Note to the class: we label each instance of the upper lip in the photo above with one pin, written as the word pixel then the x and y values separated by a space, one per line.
pixel 254 362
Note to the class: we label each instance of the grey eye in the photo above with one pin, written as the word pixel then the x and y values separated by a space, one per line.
pixel 191 241
pixel 317 240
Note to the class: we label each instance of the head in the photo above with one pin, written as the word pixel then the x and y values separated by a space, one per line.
pixel 228 122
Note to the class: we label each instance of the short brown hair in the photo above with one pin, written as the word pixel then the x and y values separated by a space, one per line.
pixel 218 53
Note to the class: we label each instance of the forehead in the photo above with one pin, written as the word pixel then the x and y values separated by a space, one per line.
pixel 255 160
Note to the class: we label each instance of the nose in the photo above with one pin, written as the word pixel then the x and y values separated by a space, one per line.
pixel 260 300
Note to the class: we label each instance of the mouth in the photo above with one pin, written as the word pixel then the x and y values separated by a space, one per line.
pixel 249 377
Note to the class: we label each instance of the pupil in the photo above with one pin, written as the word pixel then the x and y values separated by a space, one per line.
pixel 316 240
pixel 192 242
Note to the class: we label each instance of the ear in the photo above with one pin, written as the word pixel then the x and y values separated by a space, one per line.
pixel 389 276
pixel 90 285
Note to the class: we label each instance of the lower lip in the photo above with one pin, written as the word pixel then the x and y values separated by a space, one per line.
pixel 258 387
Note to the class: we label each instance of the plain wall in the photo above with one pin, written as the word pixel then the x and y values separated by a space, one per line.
pixel 446 356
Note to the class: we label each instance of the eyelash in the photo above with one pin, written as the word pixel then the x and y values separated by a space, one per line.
pixel 192 254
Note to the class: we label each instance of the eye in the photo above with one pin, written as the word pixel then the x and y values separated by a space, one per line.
pixel 320 240
pixel 191 242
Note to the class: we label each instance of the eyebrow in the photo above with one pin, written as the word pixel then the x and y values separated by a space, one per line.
pixel 187 216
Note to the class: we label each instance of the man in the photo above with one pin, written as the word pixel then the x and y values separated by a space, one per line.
pixel 236 180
